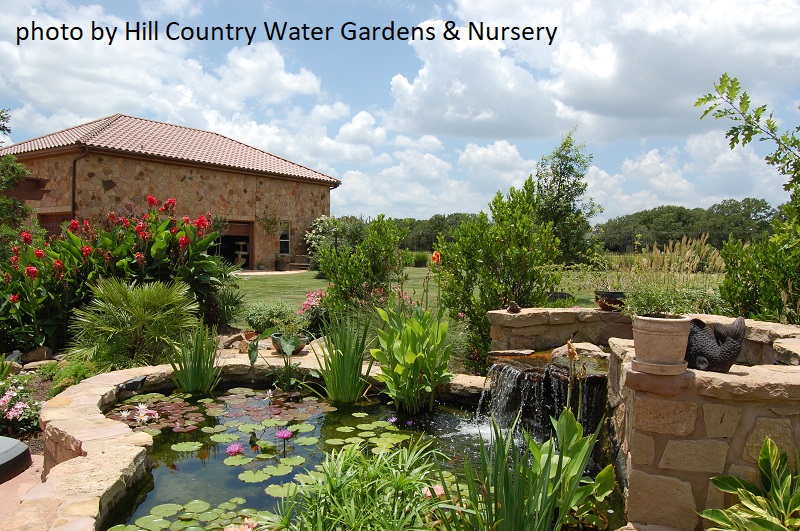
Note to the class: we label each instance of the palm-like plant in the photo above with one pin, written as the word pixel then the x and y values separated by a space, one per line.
pixel 128 325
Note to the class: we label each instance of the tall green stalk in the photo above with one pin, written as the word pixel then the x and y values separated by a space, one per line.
pixel 341 359
pixel 194 364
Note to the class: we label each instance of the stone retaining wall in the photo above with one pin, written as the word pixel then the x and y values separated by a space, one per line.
pixel 91 461
pixel 547 328
pixel 676 432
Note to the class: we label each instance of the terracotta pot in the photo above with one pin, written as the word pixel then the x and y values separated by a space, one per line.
pixel 660 344
pixel 611 301
pixel 276 344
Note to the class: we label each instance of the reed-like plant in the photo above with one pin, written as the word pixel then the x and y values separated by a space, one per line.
pixel 353 489
pixel 530 487
pixel 341 359
pixel 194 365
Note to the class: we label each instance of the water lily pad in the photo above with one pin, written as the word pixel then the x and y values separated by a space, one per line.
pixel 381 424
pixel 237 460
pixel 254 476
pixel 334 442
pixel 186 447
pixel 197 506
pixel 152 432
pixel 241 391
pixel 166 509
pixel 359 414
pixel 378 450
pixel 295 460
pixel 208 516
pixel 366 434
pixel 281 491
pixel 345 429
pixel 223 437
pixel 306 441
pixel 365 427
pixel 354 440
pixel 302 428
pixel 269 423
pixel 123 527
pixel 261 443
pixel 213 429
pixel 250 428
pixel 278 470
pixel 152 523
pixel 215 411
pixel 238 501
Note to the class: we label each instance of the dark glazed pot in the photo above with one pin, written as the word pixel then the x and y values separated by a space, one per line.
pixel 276 344
pixel 611 301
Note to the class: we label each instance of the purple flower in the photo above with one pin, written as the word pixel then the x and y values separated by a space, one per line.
pixel 283 434
pixel 234 449
pixel 410 423
pixel 391 420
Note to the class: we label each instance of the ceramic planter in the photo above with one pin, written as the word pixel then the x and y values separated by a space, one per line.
pixel 660 344
pixel 276 344
pixel 611 301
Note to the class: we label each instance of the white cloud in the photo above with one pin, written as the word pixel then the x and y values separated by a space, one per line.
pixel 472 89
pixel 161 8
pixel 496 166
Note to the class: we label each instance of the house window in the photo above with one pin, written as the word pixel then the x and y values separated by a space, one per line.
pixel 284 239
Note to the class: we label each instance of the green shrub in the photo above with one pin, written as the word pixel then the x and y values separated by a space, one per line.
pixel 489 263
pixel 420 259
pixel 276 315
pixel 342 357
pixel 414 355
pixel 360 274
pixel 194 364
pixel 66 373
pixel 763 277
pixel 130 326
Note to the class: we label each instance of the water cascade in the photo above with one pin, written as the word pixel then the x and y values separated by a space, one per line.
pixel 535 388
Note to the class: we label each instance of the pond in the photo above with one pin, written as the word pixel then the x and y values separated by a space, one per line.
pixel 230 451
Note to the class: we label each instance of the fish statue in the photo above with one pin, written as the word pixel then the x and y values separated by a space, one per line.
pixel 713 346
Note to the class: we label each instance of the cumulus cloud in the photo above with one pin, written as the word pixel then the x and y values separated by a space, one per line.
pixel 160 8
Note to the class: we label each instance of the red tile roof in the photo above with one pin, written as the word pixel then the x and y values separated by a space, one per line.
pixel 128 134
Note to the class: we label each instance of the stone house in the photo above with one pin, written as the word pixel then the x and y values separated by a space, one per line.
pixel 88 170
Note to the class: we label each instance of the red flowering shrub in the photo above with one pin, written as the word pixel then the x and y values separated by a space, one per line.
pixel 47 284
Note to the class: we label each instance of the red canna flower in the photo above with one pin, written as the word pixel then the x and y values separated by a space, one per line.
pixel 31 272
pixel 39 253
pixel 14 260
pixel 152 201
pixel 436 258
pixel 14 298
pixel 183 241
pixel 74 225
pixel 139 258
pixel 26 237
pixel 15 250
pixel 58 264
pixel 86 251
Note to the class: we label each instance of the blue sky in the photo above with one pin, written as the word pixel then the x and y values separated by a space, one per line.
pixel 415 128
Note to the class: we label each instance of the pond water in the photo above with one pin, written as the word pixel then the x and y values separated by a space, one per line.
pixel 229 449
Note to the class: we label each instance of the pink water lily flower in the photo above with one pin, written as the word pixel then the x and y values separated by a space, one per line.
pixel 234 449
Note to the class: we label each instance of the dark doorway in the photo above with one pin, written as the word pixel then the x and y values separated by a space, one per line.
pixel 235 244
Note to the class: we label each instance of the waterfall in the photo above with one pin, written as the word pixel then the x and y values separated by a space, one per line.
pixel 536 390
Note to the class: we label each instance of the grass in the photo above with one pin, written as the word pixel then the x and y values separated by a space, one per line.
pixel 292 288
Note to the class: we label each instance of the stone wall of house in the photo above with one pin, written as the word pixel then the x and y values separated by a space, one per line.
pixel 676 432
pixel 108 182
pixel 546 328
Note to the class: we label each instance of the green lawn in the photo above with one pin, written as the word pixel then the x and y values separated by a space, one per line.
pixel 292 288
